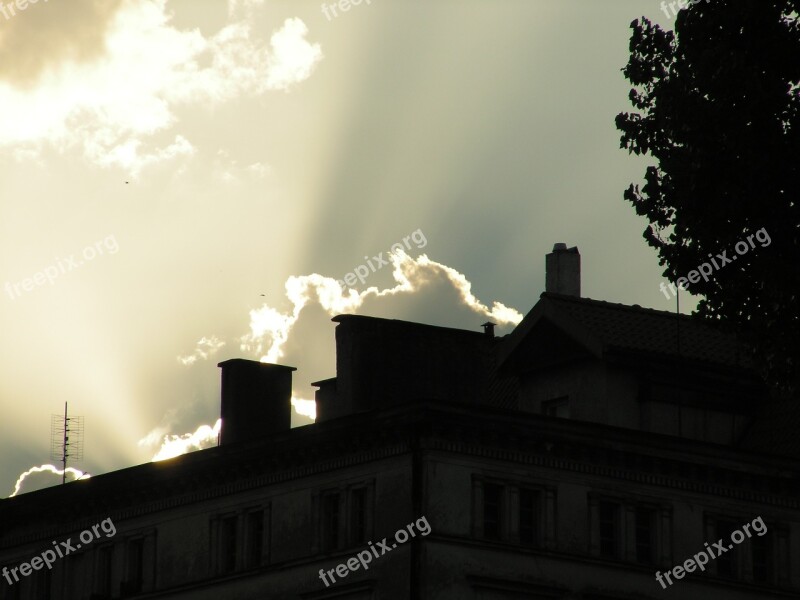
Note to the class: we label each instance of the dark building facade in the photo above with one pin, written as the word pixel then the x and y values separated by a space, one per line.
pixel 575 458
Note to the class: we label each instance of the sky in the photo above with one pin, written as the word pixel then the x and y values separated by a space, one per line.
pixel 188 181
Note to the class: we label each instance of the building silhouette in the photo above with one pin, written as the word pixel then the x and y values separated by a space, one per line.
pixel 594 446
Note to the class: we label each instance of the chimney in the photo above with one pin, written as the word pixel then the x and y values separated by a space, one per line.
pixel 563 271
pixel 256 400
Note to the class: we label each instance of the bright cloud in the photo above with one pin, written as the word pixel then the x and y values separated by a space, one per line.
pixel 270 328
pixel 113 106
pixel 292 58
pixel 204 436
pixel 307 408
pixel 76 474
pixel 206 346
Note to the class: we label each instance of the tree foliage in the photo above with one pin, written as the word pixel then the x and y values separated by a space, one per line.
pixel 718 108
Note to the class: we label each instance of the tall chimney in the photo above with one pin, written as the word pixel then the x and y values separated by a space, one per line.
pixel 256 400
pixel 563 271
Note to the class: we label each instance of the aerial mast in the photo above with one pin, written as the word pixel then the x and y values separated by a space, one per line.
pixel 66 439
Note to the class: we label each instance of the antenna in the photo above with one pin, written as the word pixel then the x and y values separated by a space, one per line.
pixel 678 351
pixel 678 319
pixel 66 439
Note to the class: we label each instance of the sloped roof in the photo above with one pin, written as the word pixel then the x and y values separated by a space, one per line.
pixel 601 326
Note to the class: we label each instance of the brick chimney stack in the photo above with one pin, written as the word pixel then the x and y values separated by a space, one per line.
pixel 256 400
pixel 563 271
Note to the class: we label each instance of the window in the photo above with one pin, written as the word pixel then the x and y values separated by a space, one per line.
pixel 255 538
pixel 608 520
pixel 358 515
pixel 134 571
pixel 644 523
pixel 513 511
pixel 227 543
pixel 528 516
pixel 726 565
pixel 492 510
pixel 330 520
pixel 759 559
pixel 558 407
pixel 762 559
pixel 633 530
pixel 240 539
pixel 343 516
pixel 103 584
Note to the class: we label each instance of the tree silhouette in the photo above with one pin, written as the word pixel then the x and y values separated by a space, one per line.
pixel 718 106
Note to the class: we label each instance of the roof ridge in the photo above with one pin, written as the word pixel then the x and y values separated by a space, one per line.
pixel 626 307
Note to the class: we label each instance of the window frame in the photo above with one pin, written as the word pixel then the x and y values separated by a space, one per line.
pixel 330 532
pixel 510 511
pixel 616 537
pixel 651 514
pixel 358 500
pixel 243 540
pixel 627 527
pixel 104 570
pixel 348 533
pixel 255 538
pixel 775 541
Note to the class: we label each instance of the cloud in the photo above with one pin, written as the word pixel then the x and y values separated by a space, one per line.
pixel 128 156
pixel 418 282
pixel 206 347
pixel 307 408
pixel 117 94
pixel 46 34
pixel 292 58
pixel 239 8
pixel 270 328
pixel 204 436
pixel 227 170
pixel 76 474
